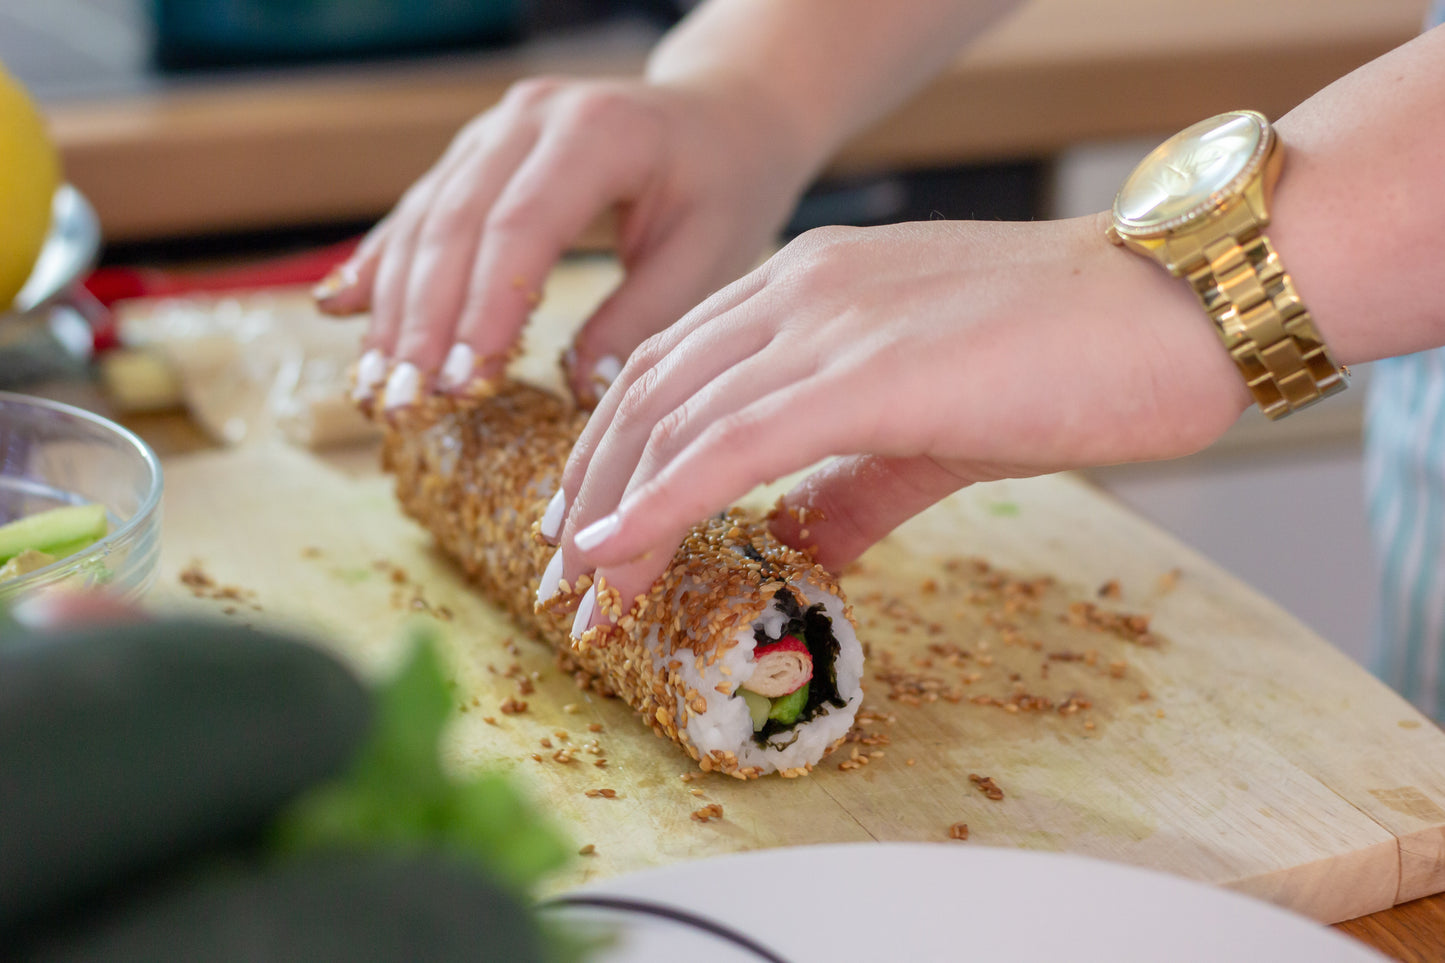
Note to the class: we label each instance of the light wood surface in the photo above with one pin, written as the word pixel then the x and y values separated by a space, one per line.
pixel 1261 759
pixel 330 145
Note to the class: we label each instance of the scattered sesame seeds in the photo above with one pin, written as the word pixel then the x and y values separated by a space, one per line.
pixel 986 786
pixel 601 794
pixel 707 813
pixel 204 586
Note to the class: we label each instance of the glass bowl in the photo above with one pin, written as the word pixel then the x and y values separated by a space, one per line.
pixel 53 455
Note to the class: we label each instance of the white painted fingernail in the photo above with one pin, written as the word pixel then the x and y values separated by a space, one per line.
pixel 403 388
pixel 607 369
pixel 340 279
pixel 459 367
pixel 551 580
pixel 370 372
pixel 598 532
pixel 585 610
pixel 553 516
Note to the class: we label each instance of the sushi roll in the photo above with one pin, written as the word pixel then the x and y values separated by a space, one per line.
pixel 743 652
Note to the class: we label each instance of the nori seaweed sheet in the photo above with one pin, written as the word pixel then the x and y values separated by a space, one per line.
pixel 816 631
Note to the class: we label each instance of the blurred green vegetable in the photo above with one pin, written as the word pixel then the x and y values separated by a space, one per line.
pixel 397 794
pixel 193 790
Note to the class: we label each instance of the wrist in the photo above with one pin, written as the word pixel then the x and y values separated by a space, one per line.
pixel 745 109
pixel 1165 328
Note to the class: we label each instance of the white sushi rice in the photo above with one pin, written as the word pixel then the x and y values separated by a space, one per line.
pixel 727 725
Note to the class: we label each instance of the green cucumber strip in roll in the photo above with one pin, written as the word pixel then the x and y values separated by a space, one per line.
pixel 786 709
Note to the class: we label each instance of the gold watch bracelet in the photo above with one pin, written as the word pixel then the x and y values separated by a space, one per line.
pixel 1259 315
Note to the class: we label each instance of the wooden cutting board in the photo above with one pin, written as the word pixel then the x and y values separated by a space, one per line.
pixel 1230 745
pixel 1239 749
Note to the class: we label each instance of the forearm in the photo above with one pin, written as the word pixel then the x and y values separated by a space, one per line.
pixel 825 68
pixel 1359 214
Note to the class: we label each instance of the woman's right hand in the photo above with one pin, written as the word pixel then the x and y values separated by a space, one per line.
pixel 700 180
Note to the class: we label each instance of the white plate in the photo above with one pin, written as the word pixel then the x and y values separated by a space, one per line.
pixel 921 902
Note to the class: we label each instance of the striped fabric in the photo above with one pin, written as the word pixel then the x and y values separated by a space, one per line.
pixel 1405 488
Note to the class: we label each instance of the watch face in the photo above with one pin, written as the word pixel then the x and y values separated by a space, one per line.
pixel 1189 173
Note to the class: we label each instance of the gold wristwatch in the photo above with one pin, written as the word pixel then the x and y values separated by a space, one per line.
pixel 1197 205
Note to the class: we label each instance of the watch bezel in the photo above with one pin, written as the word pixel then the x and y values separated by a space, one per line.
pixel 1136 230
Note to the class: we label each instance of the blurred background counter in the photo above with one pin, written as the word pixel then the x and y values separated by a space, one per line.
pixel 206 149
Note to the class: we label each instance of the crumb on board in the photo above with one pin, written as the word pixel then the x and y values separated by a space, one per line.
pixel 204 586
pixel 588 850
pixel 856 760
pixel 511 706
pixel 707 813
pixel 958 831
pixel 986 785
pixel 602 794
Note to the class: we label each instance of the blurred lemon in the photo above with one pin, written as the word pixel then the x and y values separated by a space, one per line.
pixel 29 175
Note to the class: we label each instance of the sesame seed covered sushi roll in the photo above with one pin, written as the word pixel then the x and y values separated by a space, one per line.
pixel 743 652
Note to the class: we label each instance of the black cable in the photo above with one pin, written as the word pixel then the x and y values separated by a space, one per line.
pixel 666 912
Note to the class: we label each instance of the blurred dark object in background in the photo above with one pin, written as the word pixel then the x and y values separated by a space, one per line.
pixel 1003 191
pixel 199 34
pixel 235 32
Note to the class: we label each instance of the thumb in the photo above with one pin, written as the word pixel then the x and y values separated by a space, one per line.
pixel 841 509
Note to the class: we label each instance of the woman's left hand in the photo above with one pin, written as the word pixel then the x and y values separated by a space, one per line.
pixel 924 356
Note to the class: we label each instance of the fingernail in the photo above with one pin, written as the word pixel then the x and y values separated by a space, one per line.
pixel 551 579
pixel 341 278
pixel 585 610
pixel 606 370
pixel 552 518
pixel 458 369
pixel 598 532
pixel 370 372
pixel 403 388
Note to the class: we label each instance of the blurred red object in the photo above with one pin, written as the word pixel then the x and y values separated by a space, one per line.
pixel 112 284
